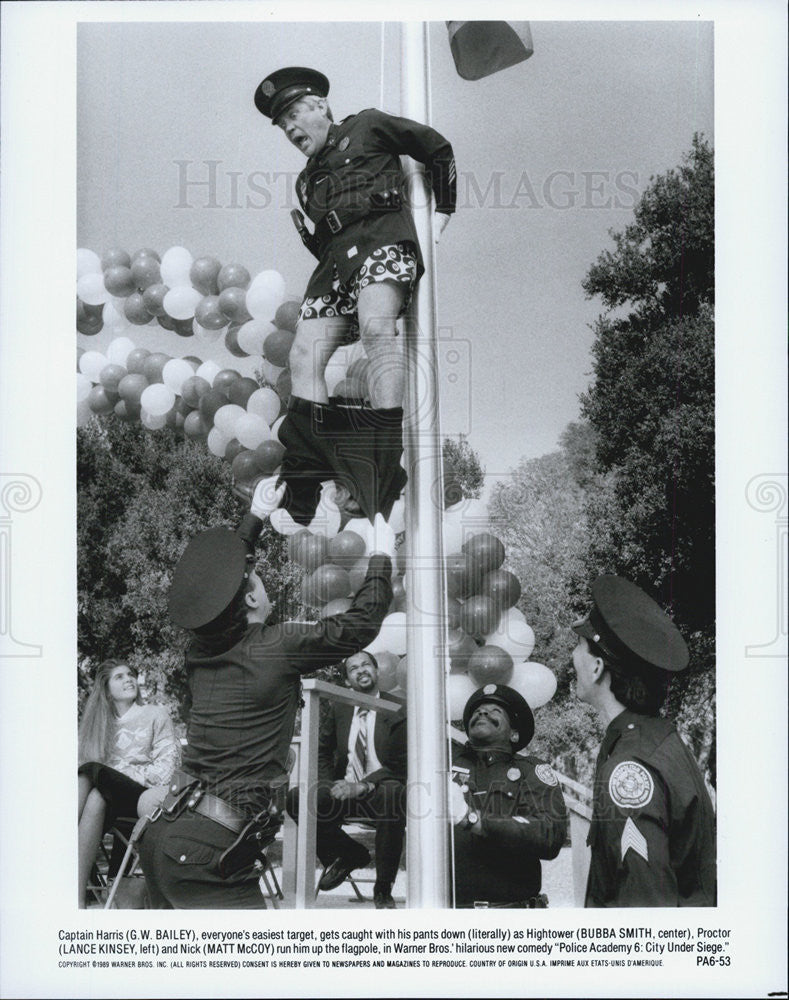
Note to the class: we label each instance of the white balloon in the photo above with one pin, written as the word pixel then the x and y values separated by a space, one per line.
pixel 175 267
pixel 393 635
pixel 114 320
pixel 397 517
pixel 90 288
pixel 84 412
pixel 119 350
pixel 84 385
pixel 206 335
pixel 209 371
pixel 88 262
pixel 251 430
pixel 181 301
pixel 275 428
pixel 511 615
pixel 535 682
pixel 264 403
pixel 152 421
pixel 175 373
pixel 157 399
pixel 513 636
pixel 226 418
pixel 271 372
pixel 460 688
pixel 217 442
pixel 91 364
pixel 252 335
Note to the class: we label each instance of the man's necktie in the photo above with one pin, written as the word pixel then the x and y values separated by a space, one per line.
pixel 357 762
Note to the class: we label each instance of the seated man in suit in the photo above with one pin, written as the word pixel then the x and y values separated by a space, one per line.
pixel 362 758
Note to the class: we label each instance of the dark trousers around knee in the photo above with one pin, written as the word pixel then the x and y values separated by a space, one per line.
pixel 385 806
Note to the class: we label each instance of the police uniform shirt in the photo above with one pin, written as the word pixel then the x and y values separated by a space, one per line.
pixel 360 158
pixel 653 828
pixel 524 818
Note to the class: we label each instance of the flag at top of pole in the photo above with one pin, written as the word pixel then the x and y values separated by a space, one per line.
pixel 481 48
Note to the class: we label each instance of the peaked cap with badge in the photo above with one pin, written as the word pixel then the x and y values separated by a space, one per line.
pixel 632 629
pixel 281 88
pixel 209 573
pixel 513 703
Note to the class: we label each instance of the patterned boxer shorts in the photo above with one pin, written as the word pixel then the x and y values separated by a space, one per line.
pixel 395 262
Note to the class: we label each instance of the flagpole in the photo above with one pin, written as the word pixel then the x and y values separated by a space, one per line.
pixel 428 866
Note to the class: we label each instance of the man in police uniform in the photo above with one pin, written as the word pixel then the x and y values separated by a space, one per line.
pixel 243 680
pixel 507 809
pixel 653 827
pixel 352 189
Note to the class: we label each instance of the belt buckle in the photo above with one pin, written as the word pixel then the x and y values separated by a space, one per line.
pixel 333 221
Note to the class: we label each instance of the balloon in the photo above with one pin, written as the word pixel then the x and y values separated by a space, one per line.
pixel 517 638
pixel 181 301
pixel 131 388
pixel 209 371
pixel 283 386
pixel 115 321
pixel 486 551
pixel 145 272
pixel 392 636
pixel 269 372
pixel 208 314
pixel 224 379
pixel 127 411
pixel 245 468
pixel 145 252
pixel 153 421
pixel 264 403
pixel 358 572
pixel 251 430
pixel 90 288
pixel 312 552
pixel 176 265
pixel 119 350
pixel 336 607
pixel 231 343
pixel 398 595
pixel 92 363
pixel 252 335
pixel 478 616
pixel 535 682
pixel 240 392
pixel 232 276
pixel 153 299
pixel 153 367
pixel 269 455
pixel 397 517
pixel 453 607
pixel 226 419
pixel 502 587
pixel 207 336
pixel 195 427
pixel 460 646
pixel 308 596
pixel 119 281
pixel 330 582
pixel 401 673
pixel 210 402
pixel 346 548
pixel 217 442
pixel 265 294
pixel 114 258
pixel 460 579
pixel 460 688
pixel 101 401
pixel 509 616
pixel 175 372
pixel 135 360
pixel 134 310
pixel 87 262
pixel 276 426
pixel 387 670
pixel 490 665
pixel 157 400
pixel 277 345
pixel 110 377
pixel 195 362
pixel 233 304
pixel 286 317
pixel 203 274
pixel 84 385
pixel 89 326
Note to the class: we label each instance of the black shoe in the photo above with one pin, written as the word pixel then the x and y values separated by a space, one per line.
pixel 338 871
pixel 384 901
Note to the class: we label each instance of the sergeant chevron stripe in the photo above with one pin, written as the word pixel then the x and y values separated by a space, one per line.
pixel 633 838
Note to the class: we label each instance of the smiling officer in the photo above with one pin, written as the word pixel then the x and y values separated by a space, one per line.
pixel 369 261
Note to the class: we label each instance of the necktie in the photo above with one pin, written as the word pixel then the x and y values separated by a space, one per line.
pixel 357 762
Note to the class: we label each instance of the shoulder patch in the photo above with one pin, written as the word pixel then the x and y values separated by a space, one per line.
pixel 545 773
pixel 514 774
pixel 630 785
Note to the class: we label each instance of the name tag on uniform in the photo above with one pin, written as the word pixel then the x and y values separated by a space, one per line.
pixel 352 252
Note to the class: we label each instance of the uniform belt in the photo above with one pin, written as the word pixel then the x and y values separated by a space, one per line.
pixel 337 219
pixel 220 812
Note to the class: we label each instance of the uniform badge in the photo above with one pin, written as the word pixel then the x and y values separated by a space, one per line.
pixel 630 785
pixel 489 689
pixel 267 87
pixel 634 839
pixel 545 773
pixel 344 144
pixel 514 774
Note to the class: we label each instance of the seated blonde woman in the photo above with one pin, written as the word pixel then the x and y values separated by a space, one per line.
pixel 128 752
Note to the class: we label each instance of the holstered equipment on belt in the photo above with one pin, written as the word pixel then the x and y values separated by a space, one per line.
pixel 253 839
pixel 388 200
pixel 184 791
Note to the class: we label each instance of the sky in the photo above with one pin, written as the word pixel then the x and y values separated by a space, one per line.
pixel 551 155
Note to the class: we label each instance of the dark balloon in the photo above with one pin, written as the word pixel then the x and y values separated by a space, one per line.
pixel 203 275
pixel 330 582
pixel 485 551
pixel 479 615
pixel 193 388
pixel 153 366
pixel 287 316
pixel 490 665
pixel 240 390
pixel 153 300
pixel 269 455
pixel 224 379
pixel 119 281
pixel 233 276
pixel 276 347
pixel 502 587
pixel 135 311
pixel 233 305
pixel 136 360
pixel 232 345
pixel 146 273
pixel 245 468
pixel 209 403
pixel 131 388
pixel 115 258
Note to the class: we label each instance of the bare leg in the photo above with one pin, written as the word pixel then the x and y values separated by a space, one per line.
pixel 316 341
pixel 91 824
pixel 379 306
pixel 84 787
pixel 151 799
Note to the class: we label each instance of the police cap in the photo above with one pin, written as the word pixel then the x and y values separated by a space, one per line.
pixel 514 704
pixel 284 86
pixel 207 577
pixel 631 628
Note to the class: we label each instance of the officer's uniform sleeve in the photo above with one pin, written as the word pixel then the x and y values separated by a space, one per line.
pixel 403 136
pixel 249 530
pixel 537 823
pixel 633 837
pixel 309 646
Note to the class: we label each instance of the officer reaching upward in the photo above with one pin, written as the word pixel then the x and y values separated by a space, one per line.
pixel 369 260
pixel 653 827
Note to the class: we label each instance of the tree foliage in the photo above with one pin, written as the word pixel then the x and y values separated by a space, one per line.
pixel 464 476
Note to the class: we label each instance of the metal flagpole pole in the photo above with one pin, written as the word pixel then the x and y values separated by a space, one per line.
pixel 428 828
